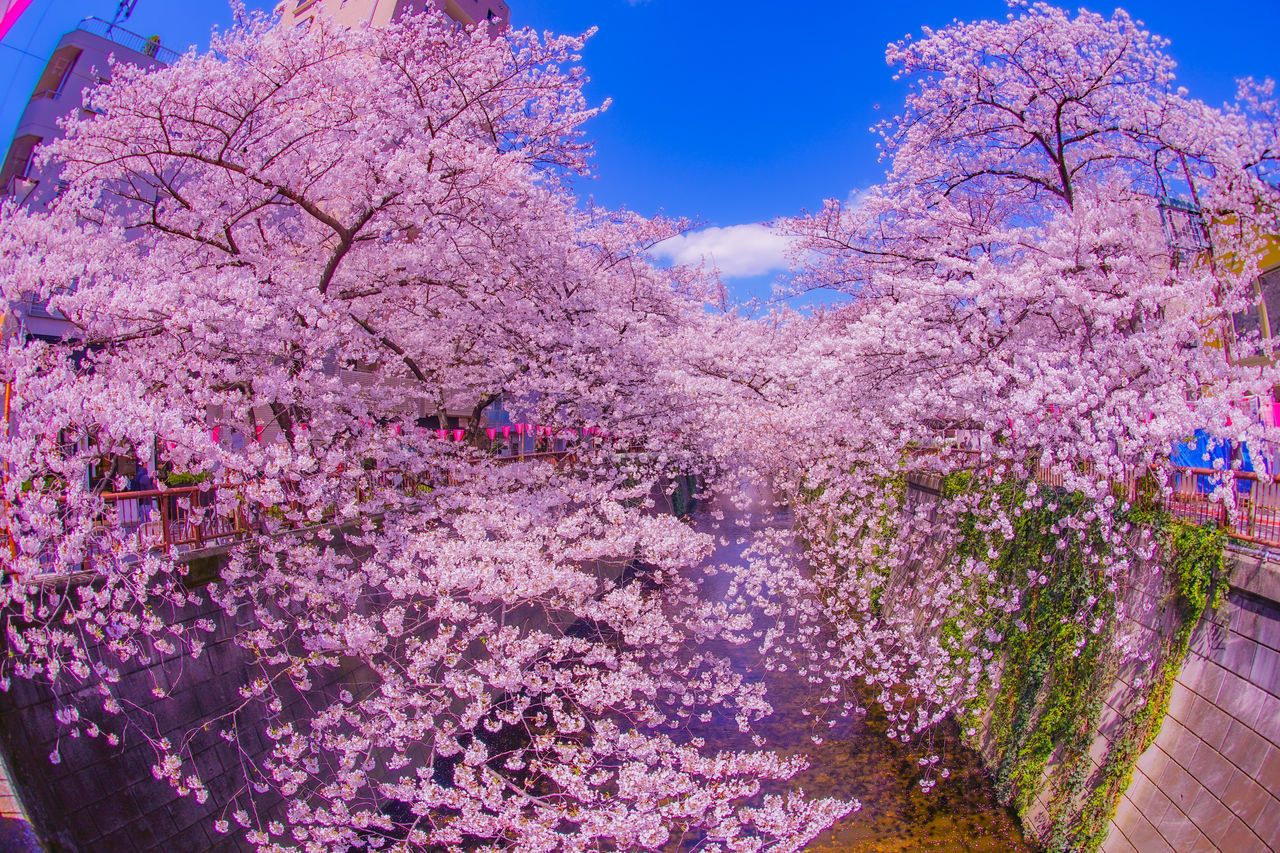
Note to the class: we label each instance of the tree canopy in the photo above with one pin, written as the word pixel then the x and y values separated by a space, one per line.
pixel 317 242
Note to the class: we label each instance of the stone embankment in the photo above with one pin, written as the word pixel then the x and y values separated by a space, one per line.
pixel 104 797
pixel 1210 779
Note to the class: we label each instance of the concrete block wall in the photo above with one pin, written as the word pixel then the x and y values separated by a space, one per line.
pixel 104 799
pixel 1210 780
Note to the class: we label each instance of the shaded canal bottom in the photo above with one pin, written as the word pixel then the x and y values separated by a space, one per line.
pixel 959 814
pixel 856 760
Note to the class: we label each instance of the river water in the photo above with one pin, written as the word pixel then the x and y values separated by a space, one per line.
pixel 857 761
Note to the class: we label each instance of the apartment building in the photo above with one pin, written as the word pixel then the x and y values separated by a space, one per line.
pixel 81 61
pixel 379 13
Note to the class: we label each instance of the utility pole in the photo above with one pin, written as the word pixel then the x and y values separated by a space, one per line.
pixel 123 11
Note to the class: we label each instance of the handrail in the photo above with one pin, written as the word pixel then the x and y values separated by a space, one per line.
pixel 172 491
pixel 149 47
pixel 173 525
pixel 1174 469
pixel 1256 498
pixel 1256 520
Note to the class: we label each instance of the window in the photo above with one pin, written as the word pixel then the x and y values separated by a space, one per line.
pixel 1269 286
pixel 1263 318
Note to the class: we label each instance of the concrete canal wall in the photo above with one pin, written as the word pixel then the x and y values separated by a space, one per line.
pixel 1211 778
pixel 101 798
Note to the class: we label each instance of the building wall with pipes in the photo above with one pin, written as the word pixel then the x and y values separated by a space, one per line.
pixel 378 13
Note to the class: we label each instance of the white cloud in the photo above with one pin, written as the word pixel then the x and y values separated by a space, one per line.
pixel 737 250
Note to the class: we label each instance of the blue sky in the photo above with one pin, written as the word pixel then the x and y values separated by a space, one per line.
pixel 727 113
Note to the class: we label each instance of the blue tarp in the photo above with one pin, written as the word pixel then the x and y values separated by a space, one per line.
pixel 1199 452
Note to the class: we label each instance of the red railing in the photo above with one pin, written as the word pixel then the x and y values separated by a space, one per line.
pixel 186 517
pixel 183 516
pixel 1193 495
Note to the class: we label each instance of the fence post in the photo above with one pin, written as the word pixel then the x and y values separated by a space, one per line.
pixel 163 500
pixel 196 500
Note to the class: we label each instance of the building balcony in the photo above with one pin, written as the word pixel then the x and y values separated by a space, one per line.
pixel 147 47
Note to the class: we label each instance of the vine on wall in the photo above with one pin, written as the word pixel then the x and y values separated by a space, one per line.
pixel 1197 578
pixel 1040 712
pixel 1043 714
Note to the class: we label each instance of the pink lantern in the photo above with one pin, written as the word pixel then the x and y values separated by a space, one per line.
pixel 257 432
pixel 493 433
pixel 213 434
pixel 457 435
pixel 506 432
pixel 442 434
pixel 519 429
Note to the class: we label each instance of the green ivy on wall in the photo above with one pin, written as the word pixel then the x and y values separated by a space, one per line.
pixel 1042 715
pixel 1054 668
pixel 1198 581
pixel 1056 671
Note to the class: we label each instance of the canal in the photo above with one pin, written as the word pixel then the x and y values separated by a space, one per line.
pixel 855 759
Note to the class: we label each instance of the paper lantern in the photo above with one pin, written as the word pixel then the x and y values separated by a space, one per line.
pixel 457 434
pixel 493 433
pixel 441 434
pixel 506 432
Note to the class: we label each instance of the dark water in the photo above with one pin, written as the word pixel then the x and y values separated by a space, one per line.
pixel 857 761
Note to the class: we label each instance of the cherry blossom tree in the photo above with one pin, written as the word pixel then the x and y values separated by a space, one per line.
pixel 312 240
pixel 307 241
pixel 1017 256
pixel 1022 277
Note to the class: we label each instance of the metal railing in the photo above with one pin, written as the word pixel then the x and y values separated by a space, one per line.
pixel 185 516
pixel 190 518
pixel 149 47
pixel 1195 495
